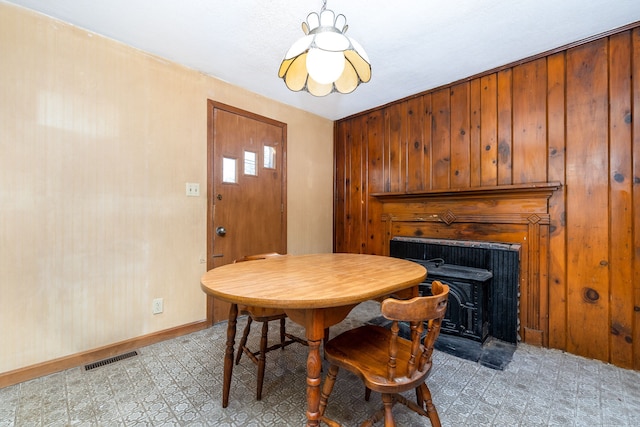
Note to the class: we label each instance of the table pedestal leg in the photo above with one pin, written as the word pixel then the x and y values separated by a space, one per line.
pixel 314 367
pixel 228 355
pixel 316 323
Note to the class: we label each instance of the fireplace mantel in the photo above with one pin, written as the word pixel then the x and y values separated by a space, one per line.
pixel 536 189
pixel 506 214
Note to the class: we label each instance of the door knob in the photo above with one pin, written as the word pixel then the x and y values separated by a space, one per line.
pixel 221 231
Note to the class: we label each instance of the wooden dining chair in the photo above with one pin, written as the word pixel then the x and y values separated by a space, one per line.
pixel 263 315
pixel 388 363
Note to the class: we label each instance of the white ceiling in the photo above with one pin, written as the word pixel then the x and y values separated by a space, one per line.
pixel 413 45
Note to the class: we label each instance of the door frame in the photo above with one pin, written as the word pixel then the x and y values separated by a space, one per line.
pixel 211 107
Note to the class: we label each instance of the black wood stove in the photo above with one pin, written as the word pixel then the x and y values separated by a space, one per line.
pixel 467 313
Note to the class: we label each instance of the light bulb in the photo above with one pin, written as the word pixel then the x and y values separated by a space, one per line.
pixel 325 66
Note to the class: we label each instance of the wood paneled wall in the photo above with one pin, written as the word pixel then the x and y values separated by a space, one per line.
pixel 565 117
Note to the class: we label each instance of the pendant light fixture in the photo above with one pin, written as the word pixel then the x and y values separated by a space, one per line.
pixel 325 60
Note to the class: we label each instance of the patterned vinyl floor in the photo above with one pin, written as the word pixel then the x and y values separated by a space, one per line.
pixel 178 383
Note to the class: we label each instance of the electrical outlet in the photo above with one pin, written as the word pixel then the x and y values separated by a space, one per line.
pixel 193 189
pixel 158 306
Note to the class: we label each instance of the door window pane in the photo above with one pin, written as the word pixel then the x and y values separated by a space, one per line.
pixel 269 157
pixel 229 170
pixel 250 163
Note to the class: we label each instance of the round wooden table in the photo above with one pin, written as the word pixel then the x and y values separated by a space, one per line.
pixel 316 291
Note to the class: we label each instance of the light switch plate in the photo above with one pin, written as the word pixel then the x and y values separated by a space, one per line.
pixel 193 189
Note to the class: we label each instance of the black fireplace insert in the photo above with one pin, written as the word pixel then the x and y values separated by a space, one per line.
pixel 496 265
pixel 481 322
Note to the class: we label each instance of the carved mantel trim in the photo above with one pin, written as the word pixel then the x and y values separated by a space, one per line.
pixel 508 213
pixel 535 189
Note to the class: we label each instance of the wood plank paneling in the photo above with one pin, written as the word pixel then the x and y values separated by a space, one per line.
pixel 541 290
pixel 355 185
pixel 505 111
pixel 375 181
pixel 395 117
pixel 460 142
pixel 415 145
pixel 375 151
pixel 428 140
pixel 489 130
pixel 529 122
pixel 475 137
pixel 621 207
pixel 587 200
pixel 557 233
pixel 567 118
pixel 635 149
pixel 441 138
pixel 341 212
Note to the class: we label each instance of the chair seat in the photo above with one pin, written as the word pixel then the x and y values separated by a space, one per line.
pixel 262 314
pixel 386 362
pixel 365 351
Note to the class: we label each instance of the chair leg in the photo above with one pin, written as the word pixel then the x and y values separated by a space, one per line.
pixel 228 355
pixel 388 401
pixel 367 393
pixel 327 387
pixel 419 397
pixel 283 333
pixel 262 360
pixel 373 419
pixel 428 403
pixel 243 340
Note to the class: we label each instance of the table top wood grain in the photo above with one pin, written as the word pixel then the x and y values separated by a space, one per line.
pixel 311 281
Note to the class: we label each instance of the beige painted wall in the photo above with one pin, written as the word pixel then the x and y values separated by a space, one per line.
pixel 97 141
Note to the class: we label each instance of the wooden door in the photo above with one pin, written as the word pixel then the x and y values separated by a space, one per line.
pixel 246 190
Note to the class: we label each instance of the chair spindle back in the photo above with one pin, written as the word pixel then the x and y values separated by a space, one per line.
pixel 416 311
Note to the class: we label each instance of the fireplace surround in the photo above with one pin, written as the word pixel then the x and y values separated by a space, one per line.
pixel 516 214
